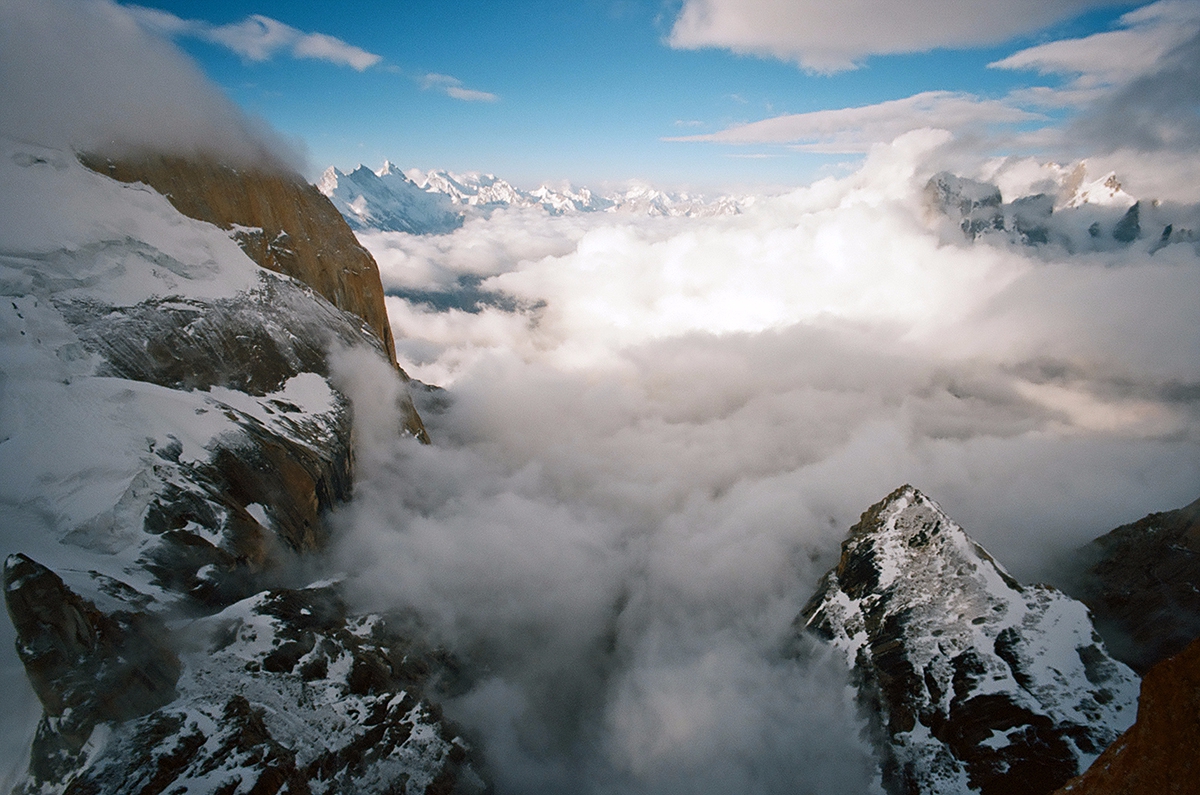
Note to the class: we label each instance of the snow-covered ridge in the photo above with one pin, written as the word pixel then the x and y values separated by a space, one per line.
pixel 974 680
pixel 434 202
pixel 169 436
pixel 1068 209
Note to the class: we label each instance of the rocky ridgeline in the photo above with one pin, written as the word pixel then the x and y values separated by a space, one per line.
pixel 971 681
pixel 437 202
pixel 172 441
pixel 1078 215
pixel 1143 585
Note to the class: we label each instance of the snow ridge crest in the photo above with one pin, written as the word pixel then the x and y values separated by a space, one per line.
pixel 974 681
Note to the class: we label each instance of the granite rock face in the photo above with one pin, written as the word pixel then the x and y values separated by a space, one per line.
pixel 281 222
pixel 971 681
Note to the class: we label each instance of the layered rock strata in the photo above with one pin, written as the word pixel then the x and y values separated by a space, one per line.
pixel 971 681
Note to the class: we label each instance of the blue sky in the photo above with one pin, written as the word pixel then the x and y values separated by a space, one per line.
pixel 592 91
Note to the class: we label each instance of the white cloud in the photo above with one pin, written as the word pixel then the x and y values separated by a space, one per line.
pixel 1136 88
pixel 828 37
pixel 1117 56
pixel 453 88
pixel 87 75
pixel 652 451
pixel 259 38
pixel 845 130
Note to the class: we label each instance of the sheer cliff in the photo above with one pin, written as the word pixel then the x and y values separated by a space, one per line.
pixel 171 438
pixel 283 224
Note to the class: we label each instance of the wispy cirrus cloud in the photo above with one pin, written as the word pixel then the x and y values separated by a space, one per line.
pixel 1135 88
pixel 258 38
pixel 854 130
pixel 454 88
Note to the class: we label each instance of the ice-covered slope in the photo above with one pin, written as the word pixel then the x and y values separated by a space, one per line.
pixel 434 202
pixel 975 682
pixel 169 440
pixel 388 201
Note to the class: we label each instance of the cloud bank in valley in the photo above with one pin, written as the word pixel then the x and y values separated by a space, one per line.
pixel 657 431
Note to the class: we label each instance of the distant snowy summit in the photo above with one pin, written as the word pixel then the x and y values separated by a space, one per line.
pixel 436 202
pixel 388 200
pixel 1068 209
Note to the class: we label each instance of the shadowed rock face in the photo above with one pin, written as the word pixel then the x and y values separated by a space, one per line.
pixel 1144 585
pixel 971 681
pixel 1160 753
pixel 87 667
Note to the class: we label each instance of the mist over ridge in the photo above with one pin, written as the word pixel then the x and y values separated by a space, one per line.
pixel 651 434
pixel 655 432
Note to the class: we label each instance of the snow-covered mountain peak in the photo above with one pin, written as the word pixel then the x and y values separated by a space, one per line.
pixel 390 168
pixel 1104 192
pixel 387 200
pixel 366 205
pixel 975 680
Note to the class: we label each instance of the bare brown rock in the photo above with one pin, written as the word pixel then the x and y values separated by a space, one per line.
pixel 1160 753
pixel 283 223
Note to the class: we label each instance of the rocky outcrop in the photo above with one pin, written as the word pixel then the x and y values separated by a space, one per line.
pixel 1160 753
pixel 971 681
pixel 282 222
pixel 285 693
pixel 974 205
pixel 172 422
pixel 86 666
pixel 1143 585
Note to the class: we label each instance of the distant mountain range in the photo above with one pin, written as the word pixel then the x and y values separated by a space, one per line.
pixel 1077 213
pixel 436 202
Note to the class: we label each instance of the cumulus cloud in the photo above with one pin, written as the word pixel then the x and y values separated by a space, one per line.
pixel 830 37
pixel 648 453
pixel 454 88
pixel 87 75
pixel 855 130
pixel 259 38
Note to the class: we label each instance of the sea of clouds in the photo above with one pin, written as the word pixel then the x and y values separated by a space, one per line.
pixel 655 433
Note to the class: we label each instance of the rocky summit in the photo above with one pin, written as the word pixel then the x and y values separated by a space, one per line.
pixel 970 681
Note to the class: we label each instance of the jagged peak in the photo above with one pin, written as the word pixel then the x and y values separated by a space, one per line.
pixel 329 180
pixel 980 682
